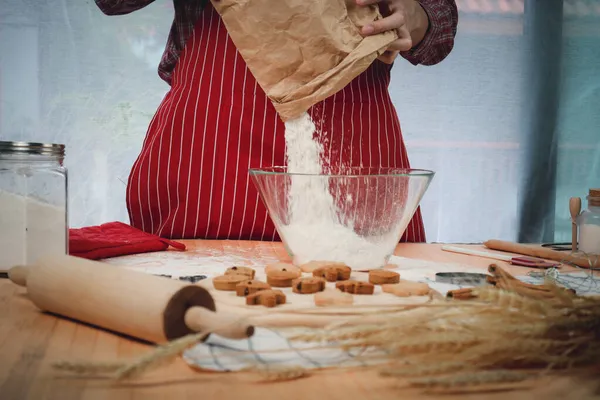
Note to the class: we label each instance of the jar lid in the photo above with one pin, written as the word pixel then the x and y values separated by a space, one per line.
pixel 46 149
pixel 594 192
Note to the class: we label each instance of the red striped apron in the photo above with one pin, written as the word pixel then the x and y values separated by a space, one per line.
pixel 191 178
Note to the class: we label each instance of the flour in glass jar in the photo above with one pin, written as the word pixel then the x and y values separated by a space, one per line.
pixel 316 232
pixel 29 229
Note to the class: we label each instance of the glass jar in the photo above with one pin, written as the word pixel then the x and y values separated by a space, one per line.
pixel 589 224
pixel 33 202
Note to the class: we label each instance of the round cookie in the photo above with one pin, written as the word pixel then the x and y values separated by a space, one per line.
pixel 228 282
pixel 308 285
pixel 381 277
pixel 246 271
pixel 251 286
pixel 282 267
pixel 333 273
pixel 407 289
pixel 355 287
pixel 282 278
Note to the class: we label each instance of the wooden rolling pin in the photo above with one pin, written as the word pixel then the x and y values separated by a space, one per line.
pixel 133 303
pixel 541 252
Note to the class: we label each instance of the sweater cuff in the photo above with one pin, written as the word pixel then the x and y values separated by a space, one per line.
pixel 439 38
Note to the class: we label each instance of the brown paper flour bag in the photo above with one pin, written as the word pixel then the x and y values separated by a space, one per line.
pixel 302 51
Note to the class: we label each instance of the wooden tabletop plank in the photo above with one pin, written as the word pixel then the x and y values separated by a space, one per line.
pixel 30 341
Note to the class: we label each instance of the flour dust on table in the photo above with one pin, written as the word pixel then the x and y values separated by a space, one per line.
pixel 315 230
pixel 188 263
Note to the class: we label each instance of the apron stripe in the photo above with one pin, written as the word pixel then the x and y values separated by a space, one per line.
pixel 190 157
pixel 343 130
pixel 352 114
pixel 330 126
pixel 276 120
pixel 251 132
pixel 161 169
pixel 375 85
pixel 231 104
pixel 197 58
pixel 173 117
pixel 262 148
pixel 213 134
pixel 380 77
pixel 132 175
pixel 237 162
pixel 218 135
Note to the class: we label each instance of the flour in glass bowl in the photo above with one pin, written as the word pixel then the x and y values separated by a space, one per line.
pixel 315 232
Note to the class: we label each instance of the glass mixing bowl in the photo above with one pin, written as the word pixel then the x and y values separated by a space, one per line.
pixel 355 216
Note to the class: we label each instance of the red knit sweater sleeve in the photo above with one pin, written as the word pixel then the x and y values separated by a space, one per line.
pixel 439 39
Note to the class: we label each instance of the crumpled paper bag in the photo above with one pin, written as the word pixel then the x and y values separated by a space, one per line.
pixel 302 51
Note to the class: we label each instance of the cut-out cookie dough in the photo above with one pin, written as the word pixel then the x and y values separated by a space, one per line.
pixel 309 267
pixel 282 267
pixel 228 282
pixel 333 273
pixel 308 285
pixel 407 289
pixel 266 298
pixel 355 287
pixel 333 297
pixel 246 271
pixel 252 286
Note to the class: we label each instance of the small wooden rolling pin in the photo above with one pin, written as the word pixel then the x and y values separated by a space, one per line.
pixel 133 303
pixel 541 252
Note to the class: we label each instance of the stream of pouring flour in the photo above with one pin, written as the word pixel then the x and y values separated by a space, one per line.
pixel 315 231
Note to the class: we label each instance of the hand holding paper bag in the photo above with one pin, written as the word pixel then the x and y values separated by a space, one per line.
pixel 302 51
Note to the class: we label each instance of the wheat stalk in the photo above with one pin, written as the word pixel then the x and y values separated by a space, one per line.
pixel 471 378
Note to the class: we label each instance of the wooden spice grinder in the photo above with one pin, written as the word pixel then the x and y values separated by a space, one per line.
pixel 133 303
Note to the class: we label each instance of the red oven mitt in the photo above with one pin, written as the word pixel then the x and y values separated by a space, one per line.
pixel 115 239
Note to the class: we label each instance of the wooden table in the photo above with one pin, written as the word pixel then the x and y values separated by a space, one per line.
pixel 30 341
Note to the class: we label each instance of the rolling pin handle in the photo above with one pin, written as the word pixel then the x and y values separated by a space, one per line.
pixel 18 275
pixel 201 319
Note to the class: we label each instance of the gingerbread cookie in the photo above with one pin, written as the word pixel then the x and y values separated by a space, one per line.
pixel 246 271
pixel 267 298
pixel 333 297
pixel 308 285
pixel 248 287
pixel 380 277
pixel 282 278
pixel 355 287
pixel 228 282
pixel 333 273
pixel 407 289
pixel 282 267
pixel 309 267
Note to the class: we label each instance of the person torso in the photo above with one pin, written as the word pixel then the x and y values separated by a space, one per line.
pixel 191 177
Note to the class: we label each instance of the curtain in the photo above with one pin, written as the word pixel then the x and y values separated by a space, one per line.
pixel 509 121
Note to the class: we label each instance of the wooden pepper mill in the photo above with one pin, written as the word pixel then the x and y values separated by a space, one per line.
pixel 133 303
